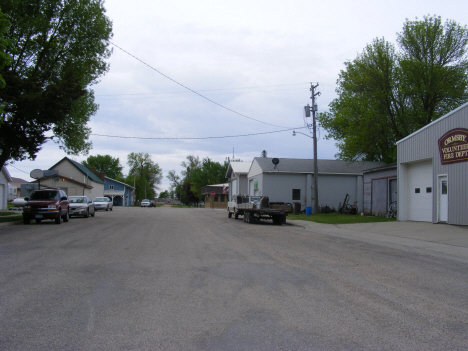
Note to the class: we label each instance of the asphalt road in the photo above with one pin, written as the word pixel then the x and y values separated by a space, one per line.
pixel 192 279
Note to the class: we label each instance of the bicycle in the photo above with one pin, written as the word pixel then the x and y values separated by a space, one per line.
pixel 392 210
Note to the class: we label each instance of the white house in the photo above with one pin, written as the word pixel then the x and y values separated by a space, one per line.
pixel 5 178
pixel 237 175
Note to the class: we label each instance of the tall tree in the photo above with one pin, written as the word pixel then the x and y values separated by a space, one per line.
pixel 105 164
pixel 146 173
pixel 58 50
pixel 385 95
pixel 210 172
pixel 5 59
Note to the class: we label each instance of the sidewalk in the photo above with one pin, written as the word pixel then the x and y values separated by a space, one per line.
pixel 441 240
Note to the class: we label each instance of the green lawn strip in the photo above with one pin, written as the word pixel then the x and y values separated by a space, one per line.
pixel 16 217
pixel 10 213
pixel 185 206
pixel 335 218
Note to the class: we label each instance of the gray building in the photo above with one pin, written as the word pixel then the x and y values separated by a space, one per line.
pixel 237 175
pixel 433 171
pixel 380 189
pixel 291 180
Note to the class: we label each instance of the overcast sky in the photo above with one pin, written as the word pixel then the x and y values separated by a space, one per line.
pixel 255 60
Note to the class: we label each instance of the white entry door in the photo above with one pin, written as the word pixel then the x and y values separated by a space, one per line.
pixel 443 199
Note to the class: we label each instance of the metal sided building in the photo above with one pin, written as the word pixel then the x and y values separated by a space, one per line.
pixel 433 171
pixel 291 180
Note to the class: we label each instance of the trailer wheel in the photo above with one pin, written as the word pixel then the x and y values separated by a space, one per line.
pixel 253 219
pixel 277 219
pixel 236 214
pixel 229 213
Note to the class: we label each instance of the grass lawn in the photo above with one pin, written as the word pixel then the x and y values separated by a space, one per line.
pixel 185 206
pixel 10 216
pixel 336 218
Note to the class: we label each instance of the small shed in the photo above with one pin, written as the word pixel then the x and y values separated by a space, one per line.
pixel 380 189
pixel 215 195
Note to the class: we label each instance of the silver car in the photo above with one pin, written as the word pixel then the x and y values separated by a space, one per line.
pixel 81 206
pixel 103 203
pixel 145 203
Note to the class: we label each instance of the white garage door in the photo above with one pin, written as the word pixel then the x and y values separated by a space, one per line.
pixel 420 191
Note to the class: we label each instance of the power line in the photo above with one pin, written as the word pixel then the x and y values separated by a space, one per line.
pixel 212 90
pixel 200 138
pixel 193 91
pixel 10 165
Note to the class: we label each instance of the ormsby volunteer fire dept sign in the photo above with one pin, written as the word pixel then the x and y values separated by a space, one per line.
pixel 453 146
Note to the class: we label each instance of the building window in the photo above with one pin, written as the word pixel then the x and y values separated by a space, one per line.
pixel 429 190
pixel 111 187
pixel 296 194
pixel 417 190
pixel 216 198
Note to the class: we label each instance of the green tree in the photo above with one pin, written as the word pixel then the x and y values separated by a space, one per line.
pixel 146 174
pixel 5 59
pixel 210 172
pixel 385 95
pixel 58 50
pixel 164 195
pixel 105 164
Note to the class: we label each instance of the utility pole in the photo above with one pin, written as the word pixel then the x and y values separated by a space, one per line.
pixel 313 108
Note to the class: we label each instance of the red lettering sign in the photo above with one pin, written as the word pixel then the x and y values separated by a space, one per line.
pixel 453 146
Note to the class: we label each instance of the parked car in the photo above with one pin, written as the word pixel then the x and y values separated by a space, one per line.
pixel 81 206
pixel 46 204
pixel 145 203
pixel 103 203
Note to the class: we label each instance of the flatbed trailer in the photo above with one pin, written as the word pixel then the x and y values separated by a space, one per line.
pixel 255 208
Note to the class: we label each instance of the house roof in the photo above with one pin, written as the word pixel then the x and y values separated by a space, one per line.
pixel 217 188
pixel 82 168
pixel 291 165
pixel 129 186
pixel 18 180
pixel 438 120
pixel 68 179
pixel 6 173
pixel 238 167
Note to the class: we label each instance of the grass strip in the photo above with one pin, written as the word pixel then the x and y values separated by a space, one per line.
pixel 336 218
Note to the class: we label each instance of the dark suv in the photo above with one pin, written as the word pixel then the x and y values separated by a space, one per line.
pixel 46 204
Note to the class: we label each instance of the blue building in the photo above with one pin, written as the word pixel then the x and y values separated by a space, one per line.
pixel 120 193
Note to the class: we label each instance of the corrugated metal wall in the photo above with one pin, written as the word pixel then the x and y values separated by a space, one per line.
pixel 424 145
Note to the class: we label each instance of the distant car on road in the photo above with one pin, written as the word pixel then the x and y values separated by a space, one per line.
pixel 46 204
pixel 81 206
pixel 145 203
pixel 103 203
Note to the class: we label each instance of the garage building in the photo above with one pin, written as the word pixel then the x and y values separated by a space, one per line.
pixel 433 171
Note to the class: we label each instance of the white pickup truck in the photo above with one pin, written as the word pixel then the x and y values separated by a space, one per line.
pixel 254 208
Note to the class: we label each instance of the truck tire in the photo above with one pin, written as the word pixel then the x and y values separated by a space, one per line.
pixel 58 220
pixel 229 214
pixel 252 219
pixel 236 214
